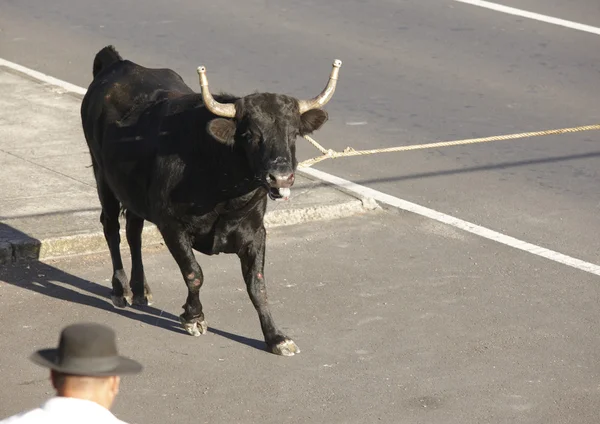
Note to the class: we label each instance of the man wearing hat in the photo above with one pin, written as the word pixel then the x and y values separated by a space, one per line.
pixel 84 370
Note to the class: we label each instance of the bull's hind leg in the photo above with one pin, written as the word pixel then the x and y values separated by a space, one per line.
pixel 141 291
pixel 121 294
pixel 180 247
pixel 253 263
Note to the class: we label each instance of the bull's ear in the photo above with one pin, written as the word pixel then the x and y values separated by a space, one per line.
pixel 312 120
pixel 223 130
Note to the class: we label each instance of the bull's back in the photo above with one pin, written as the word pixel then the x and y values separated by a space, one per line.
pixel 124 148
pixel 124 85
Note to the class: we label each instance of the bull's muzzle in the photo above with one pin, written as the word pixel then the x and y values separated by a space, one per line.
pixel 279 183
pixel 281 180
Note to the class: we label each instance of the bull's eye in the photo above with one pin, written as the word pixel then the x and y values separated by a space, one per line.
pixel 251 137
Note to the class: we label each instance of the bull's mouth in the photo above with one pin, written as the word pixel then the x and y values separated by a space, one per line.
pixel 278 193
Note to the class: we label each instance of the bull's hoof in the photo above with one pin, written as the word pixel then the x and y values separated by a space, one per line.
pixel 285 348
pixel 144 300
pixel 121 301
pixel 194 327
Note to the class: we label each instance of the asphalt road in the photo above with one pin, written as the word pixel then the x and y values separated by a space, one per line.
pixel 444 327
pixel 414 72
pixel 464 330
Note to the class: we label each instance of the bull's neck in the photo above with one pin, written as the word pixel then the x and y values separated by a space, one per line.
pixel 231 174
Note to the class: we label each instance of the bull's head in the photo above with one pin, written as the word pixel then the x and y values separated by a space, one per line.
pixel 267 125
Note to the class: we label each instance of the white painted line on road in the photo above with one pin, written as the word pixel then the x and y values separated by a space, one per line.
pixel 43 77
pixel 532 15
pixel 382 197
pixel 455 222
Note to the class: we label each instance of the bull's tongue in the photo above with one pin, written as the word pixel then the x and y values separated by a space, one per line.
pixel 284 193
pixel 279 194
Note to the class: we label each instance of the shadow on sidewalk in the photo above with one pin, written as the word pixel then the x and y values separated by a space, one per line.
pixel 50 281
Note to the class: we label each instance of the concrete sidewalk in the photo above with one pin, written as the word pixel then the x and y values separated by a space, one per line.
pixel 48 201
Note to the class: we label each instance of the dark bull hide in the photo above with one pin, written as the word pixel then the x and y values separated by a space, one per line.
pixel 199 167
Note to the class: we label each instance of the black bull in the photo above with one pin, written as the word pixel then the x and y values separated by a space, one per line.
pixel 199 167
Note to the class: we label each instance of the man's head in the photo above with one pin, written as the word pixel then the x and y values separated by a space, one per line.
pixel 101 390
pixel 86 364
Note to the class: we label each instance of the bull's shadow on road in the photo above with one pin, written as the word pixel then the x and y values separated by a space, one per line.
pixel 48 280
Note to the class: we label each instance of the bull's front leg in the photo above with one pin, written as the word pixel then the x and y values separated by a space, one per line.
pixel 179 244
pixel 252 258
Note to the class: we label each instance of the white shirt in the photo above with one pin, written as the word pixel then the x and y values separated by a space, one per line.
pixel 65 410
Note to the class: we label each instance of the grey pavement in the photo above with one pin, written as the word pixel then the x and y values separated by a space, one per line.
pixel 48 201
pixel 399 319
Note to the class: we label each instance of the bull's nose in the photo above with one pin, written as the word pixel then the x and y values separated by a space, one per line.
pixel 281 180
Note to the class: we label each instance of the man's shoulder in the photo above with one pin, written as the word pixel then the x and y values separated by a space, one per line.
pixel 34 415
pixel 64 411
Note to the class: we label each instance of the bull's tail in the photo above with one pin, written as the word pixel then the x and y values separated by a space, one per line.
pixel 104 58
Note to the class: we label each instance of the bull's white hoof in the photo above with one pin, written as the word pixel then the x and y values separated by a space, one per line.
pixel 145 300
pixel 121 301
pixel 286 348
pixel 194 328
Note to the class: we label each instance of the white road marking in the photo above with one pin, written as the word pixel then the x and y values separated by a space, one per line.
pixel 455 222
pixel 43 77
pixel 382 197
pixel 532 15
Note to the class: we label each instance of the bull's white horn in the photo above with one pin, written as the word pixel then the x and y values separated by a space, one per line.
pixel 226 110
pixel 322 99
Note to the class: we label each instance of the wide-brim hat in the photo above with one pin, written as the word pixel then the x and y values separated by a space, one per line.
pixel 87 350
